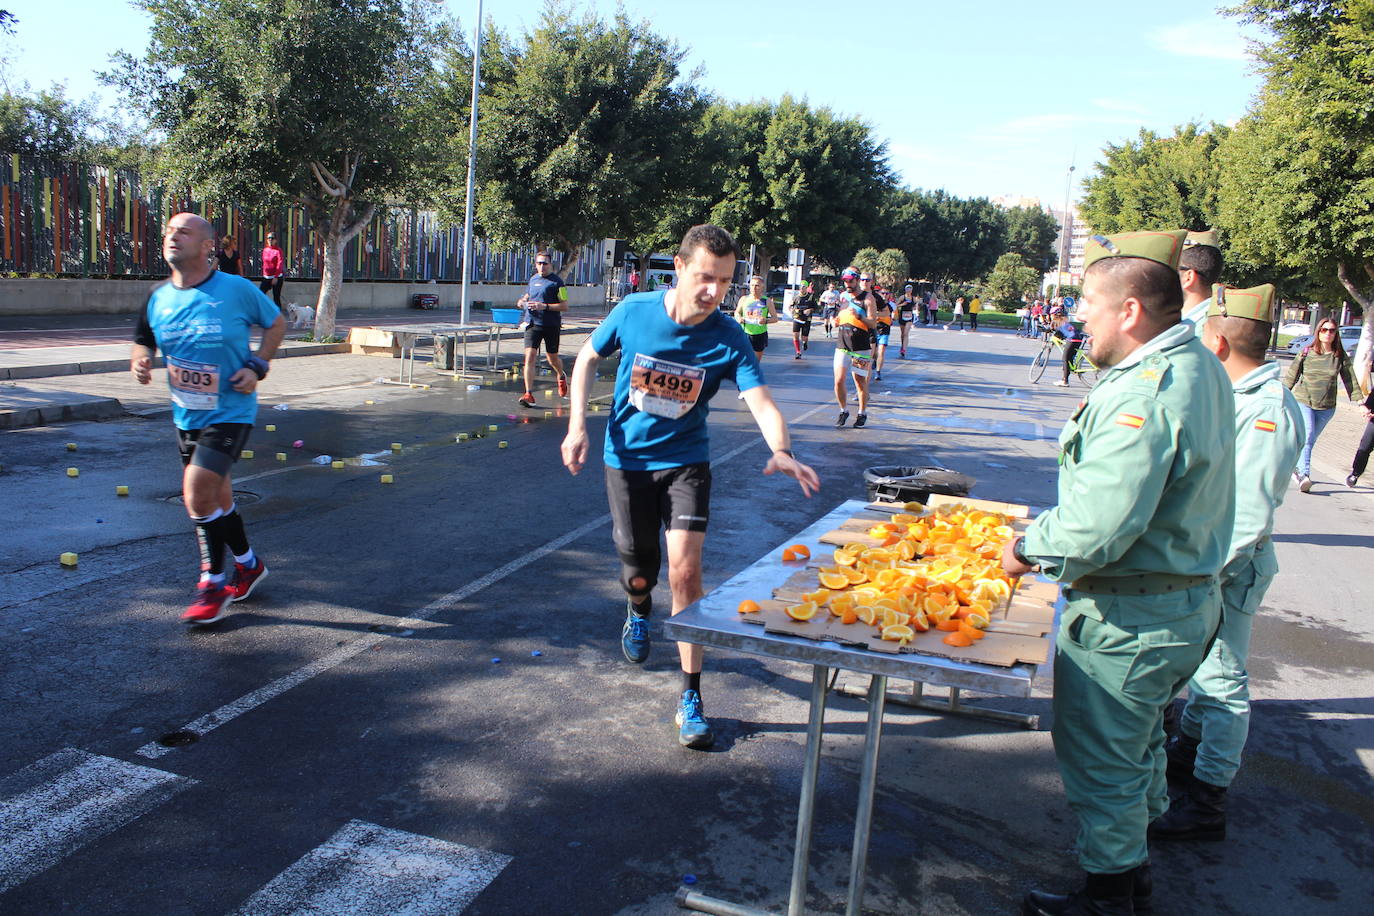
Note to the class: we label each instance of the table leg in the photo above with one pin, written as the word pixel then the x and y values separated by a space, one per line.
pixel 806 805
pixel 877 698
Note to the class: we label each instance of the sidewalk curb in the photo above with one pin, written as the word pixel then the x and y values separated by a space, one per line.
pixel 94 367
pixel 50 414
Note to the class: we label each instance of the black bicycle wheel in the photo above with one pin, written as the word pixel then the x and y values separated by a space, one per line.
pixel 1085 371
pixel 1037 366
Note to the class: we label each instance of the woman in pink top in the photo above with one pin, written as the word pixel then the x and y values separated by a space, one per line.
pixel 272 268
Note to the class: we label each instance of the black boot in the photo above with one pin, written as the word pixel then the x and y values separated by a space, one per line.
pixel 1142 888
pixel 1181 750
pixel 1199 815
pixel 1103 895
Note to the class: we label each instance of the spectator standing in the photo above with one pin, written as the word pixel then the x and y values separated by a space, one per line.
pixel 1312 378
pixel 229 256
pixel 273 268
pixel 974 308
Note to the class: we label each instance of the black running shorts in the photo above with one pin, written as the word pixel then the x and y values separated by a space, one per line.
pixel 215 447
pixel 535 333
pixel 643 502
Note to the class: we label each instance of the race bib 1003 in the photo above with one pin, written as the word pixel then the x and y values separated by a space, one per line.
pixel 664 388
pixel 195 386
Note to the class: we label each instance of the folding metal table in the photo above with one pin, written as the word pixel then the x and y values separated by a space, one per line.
pixel 715 621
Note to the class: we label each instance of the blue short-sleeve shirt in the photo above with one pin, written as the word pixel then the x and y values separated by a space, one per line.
pixel 205 335
pixel 668 374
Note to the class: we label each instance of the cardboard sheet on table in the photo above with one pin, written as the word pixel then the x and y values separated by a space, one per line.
pixel 1002 649
pixel 842 536
pixel 987 505
pixel 800 582
pixel 1033 628
pixel 1038 589
pixel 1028 610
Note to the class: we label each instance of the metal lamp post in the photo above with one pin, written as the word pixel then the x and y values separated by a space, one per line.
pixel 465 312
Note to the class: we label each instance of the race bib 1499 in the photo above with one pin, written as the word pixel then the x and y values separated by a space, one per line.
pixel 664 388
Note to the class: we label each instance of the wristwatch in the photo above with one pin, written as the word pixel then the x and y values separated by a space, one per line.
pixel 258 365
pixel 1016 552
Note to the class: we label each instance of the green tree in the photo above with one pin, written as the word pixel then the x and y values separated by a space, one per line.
pixel 891 268
pixel 1011 281
pixel 866 260
pixel 586 128
pixel 1155 182
pixel 46 123
pixel 1032 233
pixel 791 175
pixel 307 101
pixel 1298 188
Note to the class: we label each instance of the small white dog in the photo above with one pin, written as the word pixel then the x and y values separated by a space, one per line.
pixel 302 316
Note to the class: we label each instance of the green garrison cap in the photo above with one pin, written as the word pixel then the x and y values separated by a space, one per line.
pixel 1205 237
pixel 1163 247
pixel 1255 303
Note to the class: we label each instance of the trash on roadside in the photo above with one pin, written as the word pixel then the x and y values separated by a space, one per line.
pixel 322 459
pixel 281 407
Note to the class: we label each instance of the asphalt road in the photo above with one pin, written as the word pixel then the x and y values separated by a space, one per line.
pixel 354 710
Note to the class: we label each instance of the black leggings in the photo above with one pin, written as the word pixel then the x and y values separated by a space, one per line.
pixel 274 285
pixel 1070 351
pixel 1362 453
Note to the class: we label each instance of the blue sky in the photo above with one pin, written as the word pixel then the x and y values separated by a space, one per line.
pixel 980 99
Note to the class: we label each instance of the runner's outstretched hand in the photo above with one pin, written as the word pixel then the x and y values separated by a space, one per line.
pixel 801 473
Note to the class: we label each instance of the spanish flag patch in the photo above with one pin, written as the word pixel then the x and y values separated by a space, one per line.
pixel 1130 419
pixel 1265 426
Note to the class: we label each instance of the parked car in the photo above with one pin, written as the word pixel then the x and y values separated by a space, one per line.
pixel 1350 338
pixel 1295 329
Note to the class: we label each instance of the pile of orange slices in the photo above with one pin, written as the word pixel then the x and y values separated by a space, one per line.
pixel 936 571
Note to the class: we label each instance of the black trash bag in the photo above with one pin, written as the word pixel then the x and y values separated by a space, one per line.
pixel 906 484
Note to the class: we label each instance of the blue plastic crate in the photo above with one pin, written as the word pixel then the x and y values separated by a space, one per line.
pixel 506 316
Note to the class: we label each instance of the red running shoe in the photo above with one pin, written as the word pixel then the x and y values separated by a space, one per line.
pixel 563 386
pixel 246 579
pixel 526 400
pixel 211 600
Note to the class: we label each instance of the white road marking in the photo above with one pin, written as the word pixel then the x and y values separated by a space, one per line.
pixel 250 701
pixel 366 870
pixel 52 808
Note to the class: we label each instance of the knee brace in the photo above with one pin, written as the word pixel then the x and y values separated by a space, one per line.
pixel 639 572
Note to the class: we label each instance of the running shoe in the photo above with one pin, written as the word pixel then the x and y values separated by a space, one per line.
pixel 798 356
pixel 563 386
pixel 1061 384
pixel 247 578
pixel 843 418
pixel 1305 484
pixel 860 420
pixel 1351 480
pixel 211 600
pixel 878 376
pixel 526 400
pixel 901 354
pixel 806 345
pixel 692 728
pixel 634 636
pixel 1297 478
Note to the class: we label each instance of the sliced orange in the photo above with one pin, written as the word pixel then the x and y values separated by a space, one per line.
pixel 855 576
pixel 949 625
pixel 801 550
pixel 804 611
pixel 978 619
pixel 971 632
pixel 749 606
pixel 849 616
pixel 918 621
pixel 846 557
pixel 866 614
pixel 899 633
pixel 835 579
pixel 959 640
pixel 820 597
pixel 788 555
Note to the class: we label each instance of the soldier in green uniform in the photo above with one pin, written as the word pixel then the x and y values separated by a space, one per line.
pixel 1199 269
pixel 1146 506
pixel 1205 754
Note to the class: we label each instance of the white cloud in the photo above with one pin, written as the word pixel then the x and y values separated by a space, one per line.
pixel 1204 38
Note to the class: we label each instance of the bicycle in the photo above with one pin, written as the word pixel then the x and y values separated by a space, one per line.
pixel 1082 368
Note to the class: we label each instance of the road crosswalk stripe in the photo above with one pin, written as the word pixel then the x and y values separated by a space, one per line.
pixel 67 800
pixel 367 870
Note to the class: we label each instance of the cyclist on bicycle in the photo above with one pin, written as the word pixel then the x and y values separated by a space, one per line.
pixel 1073 338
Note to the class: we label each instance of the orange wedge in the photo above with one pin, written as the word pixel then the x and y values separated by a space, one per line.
pixel 801 550
pixel 849 616
pixel 845 557
pixel 866 614
pixel 804 611
pixel 918 621
pixel 855 576
pixel 899 633
pixel 947 624
pixel 749 606
pixel 835 579
pixel 959 640
pixel 820 597
pixel 788 554
pixel 970 631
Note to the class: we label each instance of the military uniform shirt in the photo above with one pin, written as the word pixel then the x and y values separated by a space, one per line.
pixel 1147 477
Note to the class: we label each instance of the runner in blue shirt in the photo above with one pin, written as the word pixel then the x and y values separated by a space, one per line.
pixel 202 319
pixel 676 348
pixel 545 301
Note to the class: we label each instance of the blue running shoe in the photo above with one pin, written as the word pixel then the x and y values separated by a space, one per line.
pixel 634 636
pixel 692 728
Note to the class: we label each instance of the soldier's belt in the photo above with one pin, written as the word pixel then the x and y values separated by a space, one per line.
pixel 1143 584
